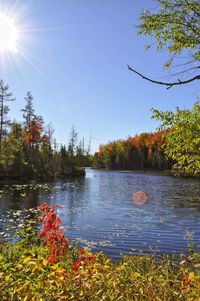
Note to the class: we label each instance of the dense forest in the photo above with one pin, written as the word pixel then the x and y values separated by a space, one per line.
pixel 28 149
pixel 142 151
pixel 176 146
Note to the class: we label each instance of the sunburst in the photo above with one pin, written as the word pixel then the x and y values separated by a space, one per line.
pixel 8 34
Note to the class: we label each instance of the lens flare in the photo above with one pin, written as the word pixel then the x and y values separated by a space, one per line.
pixel 8 34
pixel 140 198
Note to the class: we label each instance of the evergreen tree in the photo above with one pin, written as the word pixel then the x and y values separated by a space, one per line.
pixel 72 142
pixel 5 96
pixel 15 163
pixel 28 114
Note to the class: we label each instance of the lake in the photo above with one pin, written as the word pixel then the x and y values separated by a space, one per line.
pixel 99 212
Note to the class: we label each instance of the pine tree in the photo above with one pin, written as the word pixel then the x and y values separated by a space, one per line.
pixel 5 96
pixel 28 114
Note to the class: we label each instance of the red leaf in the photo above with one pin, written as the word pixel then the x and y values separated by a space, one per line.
pixel 52 259
pixel 42 233
pixel 42 207
pixel 76 265
pixel 82 252
pixel 59 237
pixel 54 231
pixel 92 259
pixel 65 241
pixel 63 252
pixel 47 227
pixel 50 237
pixel 58 222
pixel 62 232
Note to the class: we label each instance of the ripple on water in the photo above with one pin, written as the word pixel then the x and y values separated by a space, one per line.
pixel 99 212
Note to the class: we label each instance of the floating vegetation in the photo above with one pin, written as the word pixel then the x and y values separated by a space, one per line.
pixel 13 220
pixel 94 244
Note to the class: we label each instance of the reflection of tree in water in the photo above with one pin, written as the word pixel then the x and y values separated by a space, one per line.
pixel 186 197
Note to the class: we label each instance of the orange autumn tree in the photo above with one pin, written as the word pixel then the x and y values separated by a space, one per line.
pixel 142 151
pixel 35 134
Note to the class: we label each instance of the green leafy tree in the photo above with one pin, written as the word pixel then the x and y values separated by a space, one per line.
pixel 175 26
pixel 182 139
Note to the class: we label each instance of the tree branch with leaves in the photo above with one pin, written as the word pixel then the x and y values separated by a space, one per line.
pixel 175 26
pixel 182 139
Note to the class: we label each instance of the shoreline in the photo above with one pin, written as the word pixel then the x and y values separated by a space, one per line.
pixel 170 173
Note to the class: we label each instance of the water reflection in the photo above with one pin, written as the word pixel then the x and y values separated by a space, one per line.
pixel 98 211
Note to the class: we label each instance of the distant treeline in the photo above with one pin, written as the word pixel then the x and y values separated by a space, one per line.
pixel 28 150
pixel 139 152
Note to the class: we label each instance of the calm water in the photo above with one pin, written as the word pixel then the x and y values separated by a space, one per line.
pixel 98 211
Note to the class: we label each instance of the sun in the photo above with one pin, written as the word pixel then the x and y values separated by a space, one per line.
pixel 8 34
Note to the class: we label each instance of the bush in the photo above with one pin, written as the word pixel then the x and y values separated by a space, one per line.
pixel 27 271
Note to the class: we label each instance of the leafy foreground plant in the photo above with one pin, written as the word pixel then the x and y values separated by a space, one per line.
pixel 48 268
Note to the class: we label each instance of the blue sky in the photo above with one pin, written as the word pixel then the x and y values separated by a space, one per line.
pixel 73 56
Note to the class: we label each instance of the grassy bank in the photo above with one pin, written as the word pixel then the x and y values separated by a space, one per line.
pixel 47 267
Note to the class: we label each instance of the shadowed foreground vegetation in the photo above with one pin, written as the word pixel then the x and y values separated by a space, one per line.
pixel 47 267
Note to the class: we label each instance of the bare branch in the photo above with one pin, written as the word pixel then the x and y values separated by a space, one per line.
pixel 185 71
pixel 168 84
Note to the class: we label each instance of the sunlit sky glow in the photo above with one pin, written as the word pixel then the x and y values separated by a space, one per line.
pixel 8 34
pixel 73 56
